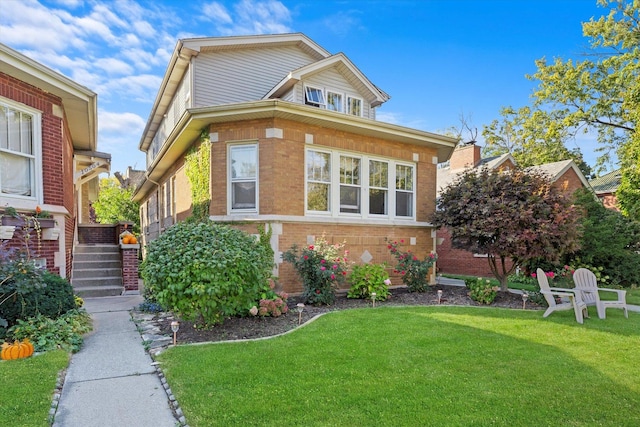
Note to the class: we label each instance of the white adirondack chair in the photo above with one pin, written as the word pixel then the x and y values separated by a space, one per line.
pixel 587 282
pixel 576 301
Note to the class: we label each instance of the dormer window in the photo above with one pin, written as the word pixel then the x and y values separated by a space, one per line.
pixel 354 106
pixel 313 96
pixel 334 102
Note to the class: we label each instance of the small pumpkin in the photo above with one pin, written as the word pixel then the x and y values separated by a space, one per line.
pixel 133 240
pixel 126 239
pixel 17 350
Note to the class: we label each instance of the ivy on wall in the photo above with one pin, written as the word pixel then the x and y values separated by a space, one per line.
pixel 198 171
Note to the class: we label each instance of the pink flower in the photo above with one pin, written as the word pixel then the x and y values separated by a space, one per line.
pixel 322 261
pixel 306 257
pixel 335 266
pixel 401 240
pixel 254 311
pixel 311 247
pixel 323 268
pixel 387 282
pixel 550 274
pixel 534 275
pixel 415 258
pixel 333 277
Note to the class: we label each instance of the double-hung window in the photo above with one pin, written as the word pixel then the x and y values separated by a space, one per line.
pixel 243 179
pixel 404 190
pixel 20 145
pixel 350 184
pixel 354 106
pixel 334 102
pixel 378 187
pixel 318 181
pixel 313 96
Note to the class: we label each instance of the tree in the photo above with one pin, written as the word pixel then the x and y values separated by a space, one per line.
pixel 532 137
pixel 114 204
pixel 602 92
pixel 513 215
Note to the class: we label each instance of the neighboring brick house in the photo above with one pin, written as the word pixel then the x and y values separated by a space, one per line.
pixel 294 145
pixel 605 187
pixel 47 152
pixel 566 177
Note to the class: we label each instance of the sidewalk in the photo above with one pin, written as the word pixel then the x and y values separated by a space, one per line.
pixel 110 381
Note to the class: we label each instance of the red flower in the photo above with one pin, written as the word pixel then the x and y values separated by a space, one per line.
pixel 401 240
pixel 306 257
pixel 344 273
pixel 311 247
pixel 318 291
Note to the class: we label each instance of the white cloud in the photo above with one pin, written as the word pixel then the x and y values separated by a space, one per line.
pixel 251 17
pixel 113 66
pixel 120 123
pixel 216 12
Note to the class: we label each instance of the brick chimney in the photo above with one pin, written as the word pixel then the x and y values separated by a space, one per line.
pixel 465 156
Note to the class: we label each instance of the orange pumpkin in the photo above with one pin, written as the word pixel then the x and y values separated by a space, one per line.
pixel 133 240
pixel 125 239
pixel 17 350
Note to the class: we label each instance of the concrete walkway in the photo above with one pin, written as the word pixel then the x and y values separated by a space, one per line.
pixel 110 381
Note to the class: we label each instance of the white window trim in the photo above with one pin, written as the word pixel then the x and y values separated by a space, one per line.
pixel 230 209
pixel 348 108
pixel 334 202
pixel 342 97
pixel 322 103
pixel 26 202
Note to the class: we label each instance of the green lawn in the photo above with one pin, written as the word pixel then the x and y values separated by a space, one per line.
pixel 419 366
pixel 27 388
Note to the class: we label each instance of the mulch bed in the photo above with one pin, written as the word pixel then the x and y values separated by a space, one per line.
pixel 235 328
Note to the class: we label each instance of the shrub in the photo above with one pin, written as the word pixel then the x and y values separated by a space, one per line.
pixel 414 271
pixel 481 290
pixel 322 269
pixel 205 271
pixel 47 334
pixel 368 278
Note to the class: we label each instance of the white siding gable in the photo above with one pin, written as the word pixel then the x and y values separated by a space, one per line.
pixel 242 75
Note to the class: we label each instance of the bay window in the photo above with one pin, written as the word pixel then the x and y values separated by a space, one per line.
pixel 243 179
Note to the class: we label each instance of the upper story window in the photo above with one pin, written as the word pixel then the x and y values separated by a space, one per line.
pixel 313 96
pixel 354 106
pixel 20 152
pixel 358 185
pixel 243 177
pixel 334 102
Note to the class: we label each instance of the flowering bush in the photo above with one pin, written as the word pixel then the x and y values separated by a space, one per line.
pixel 368 278
pixel 271 303
pixel 322 268
pixel 413 270
pixel 481 290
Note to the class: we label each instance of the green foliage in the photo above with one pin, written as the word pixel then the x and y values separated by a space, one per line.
pixel 322 269
pixel 52 299
pixel 47 334
pixel 368 278
pixel 414 271
pixel 205 271
pixel 532 137
pixel 198 170
pixel 272 303
pixel 114 204
pixel 481 290
pixel 517 215
pixel 610 241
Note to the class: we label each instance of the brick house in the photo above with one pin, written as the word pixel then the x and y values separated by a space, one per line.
pixel 295 146
pixel 566 177
pixel 48 138
pixel 605 187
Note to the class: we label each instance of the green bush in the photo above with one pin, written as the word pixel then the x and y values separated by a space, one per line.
pixel 47 334
pixel 414 271
pixel 322 269
pixel 368 278
pixel 205 271
pixel 481 290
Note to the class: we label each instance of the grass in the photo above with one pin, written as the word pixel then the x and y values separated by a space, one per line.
pixel 427 366
pixel 633 294
pixel 27 388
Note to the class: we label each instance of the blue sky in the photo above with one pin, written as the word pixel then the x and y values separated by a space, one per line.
pixel 438 59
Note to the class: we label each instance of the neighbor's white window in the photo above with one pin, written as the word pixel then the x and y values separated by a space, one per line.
pixel 350 188
pixel 378 187
pixel 313 96
pixel 334 102
pixel 20 151
pixel 404 190
pixel 318 181
pixel 243 171
pixel 354 106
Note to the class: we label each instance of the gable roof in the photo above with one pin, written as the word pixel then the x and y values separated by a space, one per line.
pixel 607 183
pixel 344 66
pixel 80 103
pixel 556 169
pixel 445 176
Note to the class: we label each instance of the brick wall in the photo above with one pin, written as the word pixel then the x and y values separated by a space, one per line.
pixel 98 234
pixel 130 268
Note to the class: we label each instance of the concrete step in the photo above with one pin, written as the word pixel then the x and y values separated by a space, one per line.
pixel 96 281
pixel 96 264
pixel 98 291
pixel 87 249
pixel 89 273
pixel 109 256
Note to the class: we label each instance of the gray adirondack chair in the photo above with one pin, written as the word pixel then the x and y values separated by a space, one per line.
pixel 575 300
pixel 586 281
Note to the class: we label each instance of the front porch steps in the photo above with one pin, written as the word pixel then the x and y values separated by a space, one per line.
pixel 97 270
